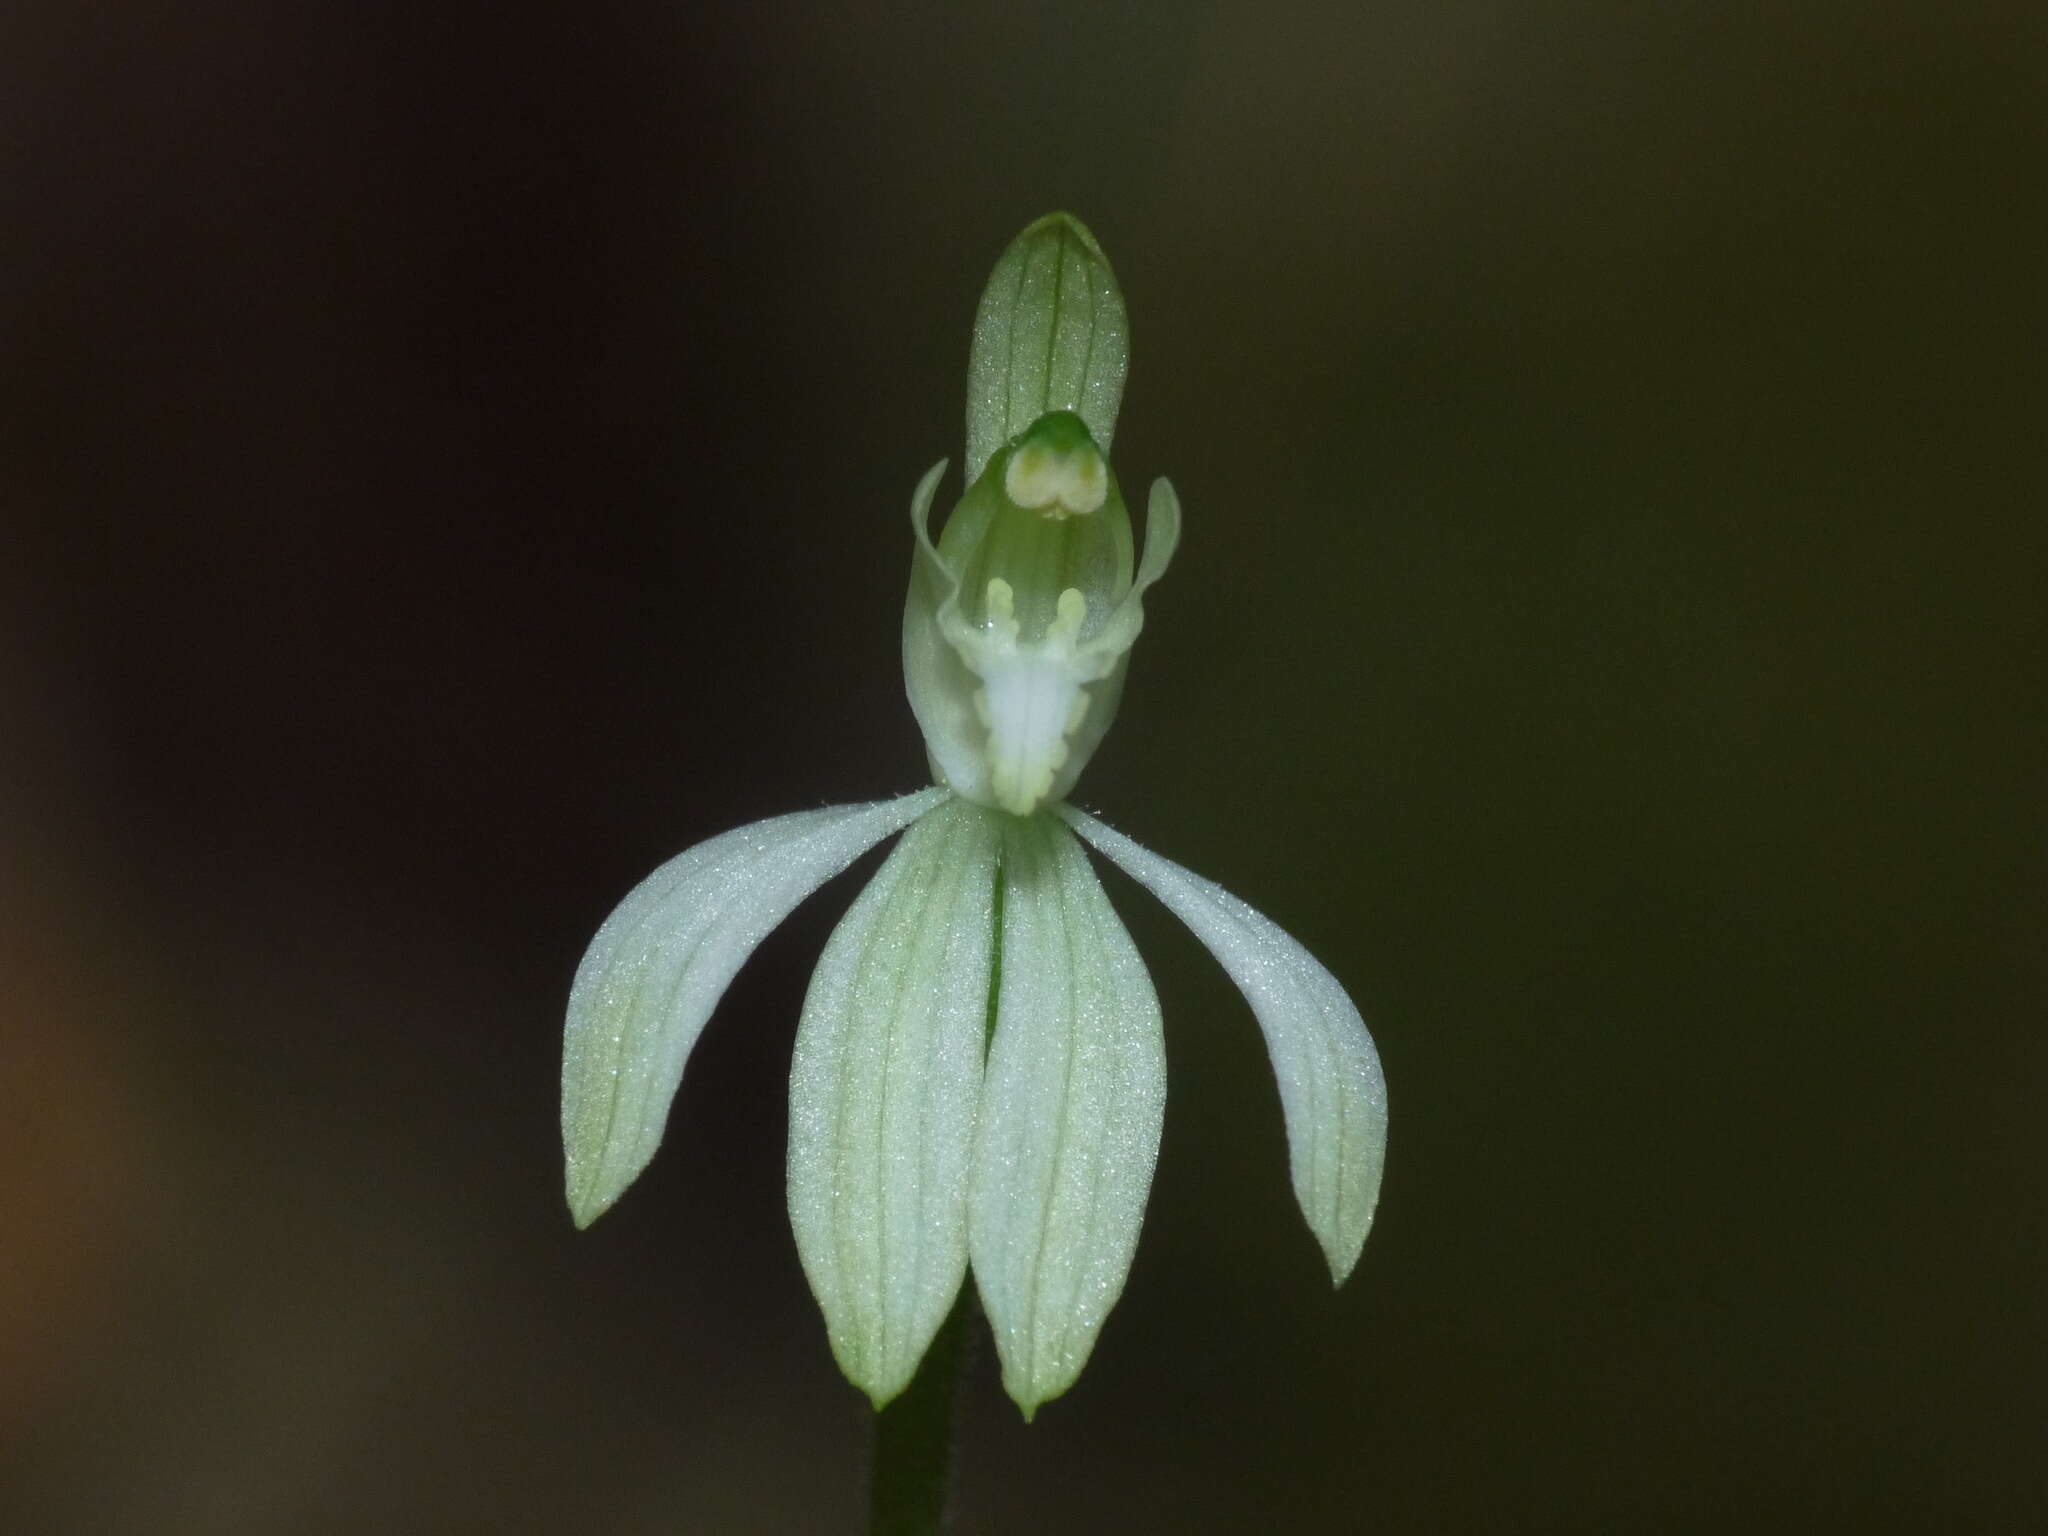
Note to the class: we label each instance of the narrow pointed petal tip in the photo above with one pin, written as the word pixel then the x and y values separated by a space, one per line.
pixel 1071 1109
pixel 661 962
pixel 1333 1094
pixel 884 1091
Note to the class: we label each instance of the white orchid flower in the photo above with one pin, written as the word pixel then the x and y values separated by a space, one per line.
pixel 979 1078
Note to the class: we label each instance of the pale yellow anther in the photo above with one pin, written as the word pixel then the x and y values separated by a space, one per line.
pixel 1056 483
pixel 1002 608
pixel 1070 614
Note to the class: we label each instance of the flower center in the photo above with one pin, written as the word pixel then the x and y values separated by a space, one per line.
pixel 1032 696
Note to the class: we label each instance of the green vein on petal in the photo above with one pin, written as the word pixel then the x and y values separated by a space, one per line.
pixel 1332 1092
pixel 1072 1103
pixel 661 962
pixel 883 1094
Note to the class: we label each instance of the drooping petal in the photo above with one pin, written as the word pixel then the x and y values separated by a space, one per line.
pixel 883 1094
pixel 1332 1092
pixel 660 964
pixel 1071 1108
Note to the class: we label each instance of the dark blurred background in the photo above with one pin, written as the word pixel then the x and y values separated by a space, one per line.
pixel 454 457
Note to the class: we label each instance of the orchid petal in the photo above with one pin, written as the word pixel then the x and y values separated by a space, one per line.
pixel 1070 1114
pixel 883 1093
pixel 661 962
pixel 1332 1092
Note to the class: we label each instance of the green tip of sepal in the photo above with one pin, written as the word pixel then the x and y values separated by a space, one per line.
pixel 1341 1263
pixel 1050 335
pixel 1030 1396
pixel 584 1208
pixel 590 1195
pixel 1342 1222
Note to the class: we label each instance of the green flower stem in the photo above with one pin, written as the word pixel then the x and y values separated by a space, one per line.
pixel 913 1460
